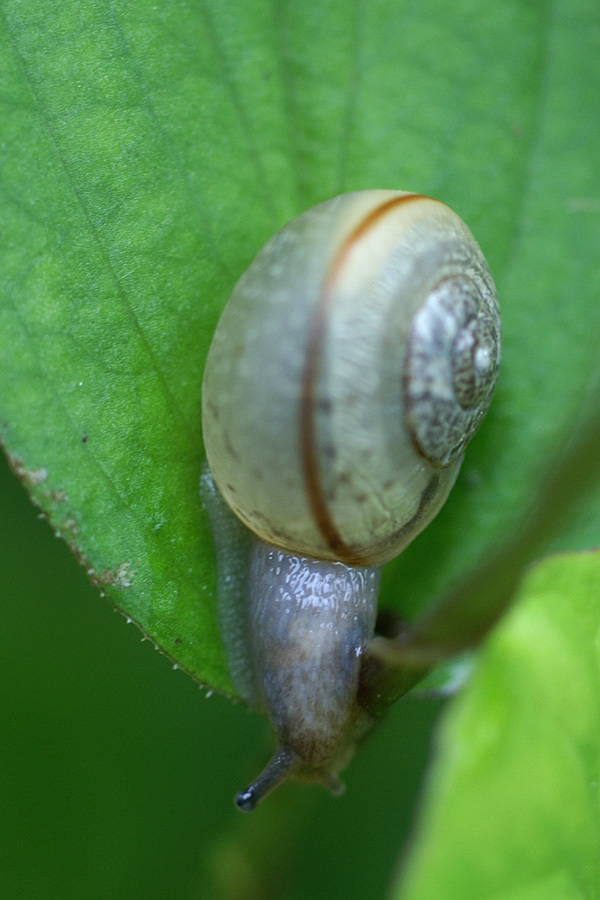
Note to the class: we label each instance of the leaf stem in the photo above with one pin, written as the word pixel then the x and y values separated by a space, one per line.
pixel 465 614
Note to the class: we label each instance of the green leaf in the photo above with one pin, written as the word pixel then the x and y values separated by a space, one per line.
pixel 511 807
pixel 148 150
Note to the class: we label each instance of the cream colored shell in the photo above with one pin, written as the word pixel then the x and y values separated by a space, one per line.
pixel 352 363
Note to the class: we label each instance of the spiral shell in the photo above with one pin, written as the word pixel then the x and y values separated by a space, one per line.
pixel 354 361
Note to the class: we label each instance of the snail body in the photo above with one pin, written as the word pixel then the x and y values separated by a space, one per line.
pixel 353 362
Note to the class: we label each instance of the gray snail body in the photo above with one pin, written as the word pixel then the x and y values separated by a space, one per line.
pixel 353 362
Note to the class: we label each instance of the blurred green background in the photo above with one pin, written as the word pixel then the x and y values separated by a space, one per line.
pixel 110 760
pixel 117 775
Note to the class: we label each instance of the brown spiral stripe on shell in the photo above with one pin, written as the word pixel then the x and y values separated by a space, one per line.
pixel 308 437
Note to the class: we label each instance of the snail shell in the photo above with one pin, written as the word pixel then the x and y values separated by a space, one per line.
pixel 352 364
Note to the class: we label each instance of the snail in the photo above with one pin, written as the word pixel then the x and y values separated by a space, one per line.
pixel 350 367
